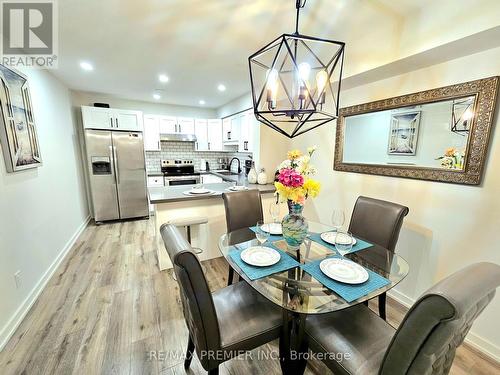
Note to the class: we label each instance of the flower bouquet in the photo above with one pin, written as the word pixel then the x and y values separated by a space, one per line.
pixel 294 185
pixel 452 159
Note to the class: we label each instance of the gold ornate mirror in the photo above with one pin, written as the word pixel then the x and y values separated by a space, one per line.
pixel 439 135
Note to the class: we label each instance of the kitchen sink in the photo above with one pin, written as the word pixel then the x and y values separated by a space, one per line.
pixel 227 173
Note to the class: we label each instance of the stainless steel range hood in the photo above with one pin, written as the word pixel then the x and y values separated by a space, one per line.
pixel 177 137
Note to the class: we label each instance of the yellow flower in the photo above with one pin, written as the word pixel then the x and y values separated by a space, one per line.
pixel 294 154
pixel 450 151
pixel 312 188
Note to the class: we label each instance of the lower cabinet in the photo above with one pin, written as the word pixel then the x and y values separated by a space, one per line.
pixel 152 182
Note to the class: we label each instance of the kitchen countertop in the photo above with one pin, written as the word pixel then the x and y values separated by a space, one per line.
pixel 166 194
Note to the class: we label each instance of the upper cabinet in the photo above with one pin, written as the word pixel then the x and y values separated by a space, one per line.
pixel 185 125
pixel 214 129
pixel 201 132
pixel 247 132
pixel 231 129
pixel 168 124
pixel 111 119
pixel 151 133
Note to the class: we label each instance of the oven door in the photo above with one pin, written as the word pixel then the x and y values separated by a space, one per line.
pixel 181 180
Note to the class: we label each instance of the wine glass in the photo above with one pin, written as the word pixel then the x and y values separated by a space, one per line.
pixel 343 242
pixel 274 211
pixel 260 233
pixel 338 218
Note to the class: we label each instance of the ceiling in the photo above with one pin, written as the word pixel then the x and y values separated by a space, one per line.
pixel 201 43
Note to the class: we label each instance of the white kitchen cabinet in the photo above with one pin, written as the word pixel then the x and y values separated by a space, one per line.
pixel 154 181
pixel 152 133
pixel 214 130
pixel 185 125
pixel 168 124
pixel 247 132
pixel 201 132
pixel 210 179
pixel 111 119
pixel 231 129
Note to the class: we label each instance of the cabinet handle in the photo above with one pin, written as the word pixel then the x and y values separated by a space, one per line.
pixel 209 145
pixel 116 122
pixel 159 145
pixel 111 120
pixel 229 135
pixel 180 128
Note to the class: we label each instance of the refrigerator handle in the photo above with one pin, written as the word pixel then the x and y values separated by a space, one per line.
pixel 116 165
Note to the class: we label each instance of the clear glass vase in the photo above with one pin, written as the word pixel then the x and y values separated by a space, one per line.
pixel 294 225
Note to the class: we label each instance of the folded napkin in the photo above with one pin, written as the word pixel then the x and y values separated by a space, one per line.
pixel 360 244
pixel 349 292
pixel 286 262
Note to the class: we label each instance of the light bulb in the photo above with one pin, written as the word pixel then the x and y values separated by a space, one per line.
pixel 304 71
pixel 321 79
pixel 272 87
pixel 468 114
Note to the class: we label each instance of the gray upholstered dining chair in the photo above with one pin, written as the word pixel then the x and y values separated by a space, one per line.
pixel 379 222
pixel 224 323
pixel 425 342
pixel 243 210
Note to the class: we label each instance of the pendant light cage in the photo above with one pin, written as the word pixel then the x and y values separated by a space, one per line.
pixel 295 82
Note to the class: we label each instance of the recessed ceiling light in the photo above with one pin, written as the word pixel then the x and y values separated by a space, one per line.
pixel 163 78
pixel 157 96
pixel 202 102
pixel 86 66
pixel 221 87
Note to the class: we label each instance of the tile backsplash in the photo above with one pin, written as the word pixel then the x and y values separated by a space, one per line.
pixel 186 151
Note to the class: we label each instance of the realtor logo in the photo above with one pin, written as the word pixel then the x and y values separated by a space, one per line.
pixel 29 31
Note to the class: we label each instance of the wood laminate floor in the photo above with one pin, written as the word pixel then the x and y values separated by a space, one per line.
pixel 108 310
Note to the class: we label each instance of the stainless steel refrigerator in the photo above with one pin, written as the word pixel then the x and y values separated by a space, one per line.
pixel 117 174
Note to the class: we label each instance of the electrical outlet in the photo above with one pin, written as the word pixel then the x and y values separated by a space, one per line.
pixel 17 279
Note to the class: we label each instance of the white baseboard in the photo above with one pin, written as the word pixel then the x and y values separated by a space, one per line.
pixel 14 322
pixel 477 342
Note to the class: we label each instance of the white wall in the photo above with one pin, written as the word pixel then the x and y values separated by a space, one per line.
pixel 449 226
pixel 41 209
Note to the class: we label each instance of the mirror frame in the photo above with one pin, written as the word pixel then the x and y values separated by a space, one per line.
pixel 485 92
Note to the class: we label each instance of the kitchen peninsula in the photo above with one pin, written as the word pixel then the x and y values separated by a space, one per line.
pixel 170 203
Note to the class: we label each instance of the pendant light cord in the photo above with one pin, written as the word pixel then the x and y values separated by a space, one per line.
pixel 299 4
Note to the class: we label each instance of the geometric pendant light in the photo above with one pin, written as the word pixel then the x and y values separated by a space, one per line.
pixel 295 81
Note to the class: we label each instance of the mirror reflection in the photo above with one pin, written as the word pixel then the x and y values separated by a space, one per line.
pixel 431 135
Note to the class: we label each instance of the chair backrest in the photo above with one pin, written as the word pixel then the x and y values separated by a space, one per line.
pixel 197 302
pixel 437 323
pixel 378 221
pixel 243 209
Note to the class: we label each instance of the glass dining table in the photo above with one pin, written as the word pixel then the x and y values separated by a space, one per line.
pixel 297 292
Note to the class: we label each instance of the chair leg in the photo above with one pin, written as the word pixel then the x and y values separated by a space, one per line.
pixel 189 353
pixel 230 276
pixel 214 371
pixel 382 299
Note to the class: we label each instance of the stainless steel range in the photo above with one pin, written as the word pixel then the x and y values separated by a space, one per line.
pixel 179 172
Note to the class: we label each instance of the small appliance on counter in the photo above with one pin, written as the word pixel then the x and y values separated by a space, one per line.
pixel 179 172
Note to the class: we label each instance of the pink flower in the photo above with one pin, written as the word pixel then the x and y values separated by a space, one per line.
pixel 290 177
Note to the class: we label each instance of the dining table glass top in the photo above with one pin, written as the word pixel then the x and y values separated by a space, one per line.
pixel 298 291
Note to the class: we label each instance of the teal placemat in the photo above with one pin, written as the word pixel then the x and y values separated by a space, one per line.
pixel 360 244
pixel 285 263
pixel 346 291
pixel 272 237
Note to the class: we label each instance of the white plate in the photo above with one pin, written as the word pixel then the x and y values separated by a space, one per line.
pixel 260 256
pixel 344 270
pixel 272 228
pixel 200 191
pixel 188 192
pixel 237 188
pixel 330 238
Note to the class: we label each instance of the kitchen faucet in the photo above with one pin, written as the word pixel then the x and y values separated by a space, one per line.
pixel 231 162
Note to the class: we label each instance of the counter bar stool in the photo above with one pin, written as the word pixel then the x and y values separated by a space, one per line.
pixel 243 210
pixel 186 222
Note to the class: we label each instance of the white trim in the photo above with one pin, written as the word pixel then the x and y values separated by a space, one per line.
pixel 16 319
pixel 480 344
